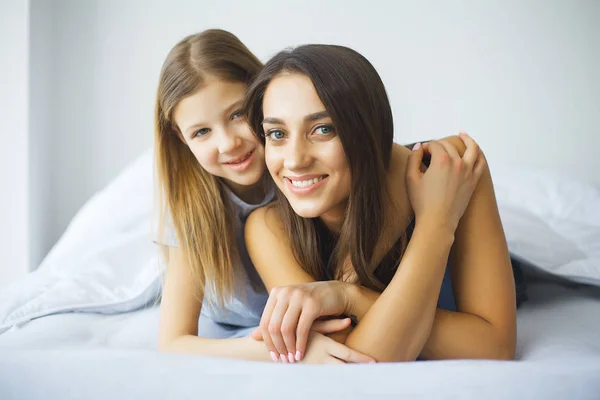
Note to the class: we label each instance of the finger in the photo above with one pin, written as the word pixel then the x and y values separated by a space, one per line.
pixel 331 325
pixel 274 328
pixel 450 149
pixel 264 325
pixel 414 162
pixel 305 323
pixel 288 329
pixel 333 360
pixel 438 153
pixel 480 166
pixel 349 355
pixel 257 334
pixel 472 152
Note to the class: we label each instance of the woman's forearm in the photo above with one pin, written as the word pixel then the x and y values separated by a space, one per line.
pixel 398 324
pixel 241 348
pixel 459 335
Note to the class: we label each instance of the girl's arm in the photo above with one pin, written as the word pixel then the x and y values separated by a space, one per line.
pixel 178 329
pixel 179 312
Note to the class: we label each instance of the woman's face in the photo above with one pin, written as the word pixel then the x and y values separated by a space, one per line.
pixel 211 124
pixel 303 151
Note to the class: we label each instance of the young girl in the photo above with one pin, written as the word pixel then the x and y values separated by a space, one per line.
pixel 211 174
pixel 360 211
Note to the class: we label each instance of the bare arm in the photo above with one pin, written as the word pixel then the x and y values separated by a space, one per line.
pixel 483 282
pixel 397 325
pixel 485 324
pixel 179 313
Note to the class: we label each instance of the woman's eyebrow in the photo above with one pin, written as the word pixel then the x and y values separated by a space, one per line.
pixel 274 121
pixel 309 118
pixel 316 116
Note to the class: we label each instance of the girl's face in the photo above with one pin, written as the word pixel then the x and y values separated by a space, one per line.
pixel 303 151
pixel 211 124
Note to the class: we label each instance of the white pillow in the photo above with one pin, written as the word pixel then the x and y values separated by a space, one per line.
pixel 551 221
pixel 105 261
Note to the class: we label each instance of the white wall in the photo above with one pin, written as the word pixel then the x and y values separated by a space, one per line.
pixel 14 158
pixel 520 76
pixel 42 193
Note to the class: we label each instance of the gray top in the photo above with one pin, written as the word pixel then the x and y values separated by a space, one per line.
pixel 250 296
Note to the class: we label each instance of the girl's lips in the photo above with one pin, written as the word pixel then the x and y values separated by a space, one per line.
pixel 244 162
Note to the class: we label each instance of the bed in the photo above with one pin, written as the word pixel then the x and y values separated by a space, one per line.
pixel 84 325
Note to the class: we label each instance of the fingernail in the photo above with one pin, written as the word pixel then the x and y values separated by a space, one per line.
pixel 298 355
pixel 273 356
pixel 464 133
pixel 283 358
pixel 291 357
pixel 416 146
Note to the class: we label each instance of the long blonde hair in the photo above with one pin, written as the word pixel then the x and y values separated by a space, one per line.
pixel 194 199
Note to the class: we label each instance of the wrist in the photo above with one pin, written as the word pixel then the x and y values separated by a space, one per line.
pixel 437 226
pixel 349 293
pixel 259 348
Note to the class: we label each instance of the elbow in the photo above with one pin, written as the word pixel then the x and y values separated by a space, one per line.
pixel 505 350
pixel 504 345
pixel 166 344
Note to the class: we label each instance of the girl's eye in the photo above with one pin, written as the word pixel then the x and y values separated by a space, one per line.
pixel 236 114
pixel 325 129
pixel 201 132
pixel 275 134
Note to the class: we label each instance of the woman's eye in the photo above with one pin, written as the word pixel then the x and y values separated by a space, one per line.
pixel 275 134
pixel 201 132
pixel 325 129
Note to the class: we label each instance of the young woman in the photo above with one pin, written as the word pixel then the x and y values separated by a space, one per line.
pixel 211 174
pixel 360 226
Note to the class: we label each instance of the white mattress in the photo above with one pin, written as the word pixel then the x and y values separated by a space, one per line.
pixel 96 356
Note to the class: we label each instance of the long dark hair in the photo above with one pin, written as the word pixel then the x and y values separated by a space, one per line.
pixel 356 100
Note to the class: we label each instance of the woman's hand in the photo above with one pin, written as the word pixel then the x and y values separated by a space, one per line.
pixel 325 350
pixel 291 311
pixel 444 190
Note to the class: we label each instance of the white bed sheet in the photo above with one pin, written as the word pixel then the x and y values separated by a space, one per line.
pixel 112 356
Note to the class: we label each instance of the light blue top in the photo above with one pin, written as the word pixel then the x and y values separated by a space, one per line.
pixel 250 296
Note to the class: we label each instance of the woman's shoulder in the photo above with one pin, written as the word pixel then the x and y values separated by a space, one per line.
pixel 396 182
pixel 265 219
pixel 398 208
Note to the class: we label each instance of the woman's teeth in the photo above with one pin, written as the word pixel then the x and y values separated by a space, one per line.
pixel 307 182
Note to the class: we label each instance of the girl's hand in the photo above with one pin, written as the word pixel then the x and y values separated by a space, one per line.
pixel 291 311
pixel 444 190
